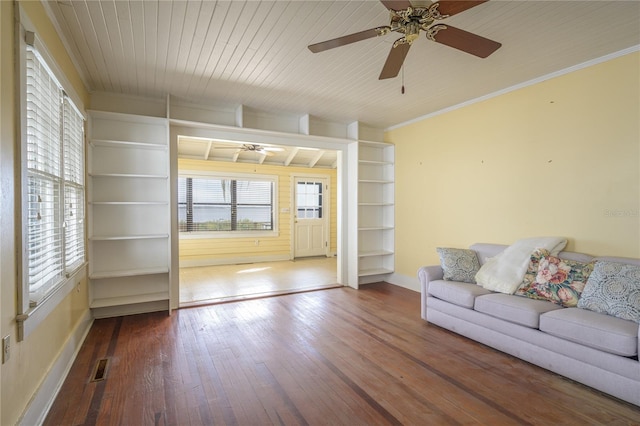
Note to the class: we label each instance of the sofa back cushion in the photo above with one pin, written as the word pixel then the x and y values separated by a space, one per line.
pixel 485 251
pixel 628 260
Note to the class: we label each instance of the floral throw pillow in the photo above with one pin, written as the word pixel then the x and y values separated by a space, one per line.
pixel 459 264
pixel 613 289
pixel 557 280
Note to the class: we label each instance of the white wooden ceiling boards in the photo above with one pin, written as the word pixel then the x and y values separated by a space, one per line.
pixel 255 53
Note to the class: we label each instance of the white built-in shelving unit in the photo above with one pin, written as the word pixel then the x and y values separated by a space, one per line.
pixel 129 214
pixel 373 241
pixel 375 210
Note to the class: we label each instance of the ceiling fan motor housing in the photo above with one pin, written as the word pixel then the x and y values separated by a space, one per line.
pixel 411 20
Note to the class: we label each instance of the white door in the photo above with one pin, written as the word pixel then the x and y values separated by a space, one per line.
pixel 310 217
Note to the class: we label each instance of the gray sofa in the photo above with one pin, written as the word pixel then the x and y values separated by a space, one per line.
pixel 595 349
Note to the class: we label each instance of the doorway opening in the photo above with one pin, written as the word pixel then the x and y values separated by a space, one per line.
pixel 254 223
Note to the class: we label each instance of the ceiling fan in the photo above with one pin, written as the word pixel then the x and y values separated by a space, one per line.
pixel 409 20
pixel 250 147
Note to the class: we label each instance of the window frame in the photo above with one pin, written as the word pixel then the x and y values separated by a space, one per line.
pixel 30 314
pixel 273 179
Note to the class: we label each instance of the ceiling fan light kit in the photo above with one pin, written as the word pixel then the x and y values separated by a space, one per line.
pixel 409 21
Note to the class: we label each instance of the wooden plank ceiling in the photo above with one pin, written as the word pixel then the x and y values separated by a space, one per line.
pixel 288 156
pixel 255 53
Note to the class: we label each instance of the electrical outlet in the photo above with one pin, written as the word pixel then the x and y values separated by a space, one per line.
pixel 6 346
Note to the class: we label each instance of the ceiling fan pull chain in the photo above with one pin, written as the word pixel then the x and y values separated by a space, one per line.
pixel 402 80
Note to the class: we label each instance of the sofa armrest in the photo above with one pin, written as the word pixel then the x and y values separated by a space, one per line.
pixel 426 274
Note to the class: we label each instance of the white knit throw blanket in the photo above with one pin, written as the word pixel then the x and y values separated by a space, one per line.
pixel 504 273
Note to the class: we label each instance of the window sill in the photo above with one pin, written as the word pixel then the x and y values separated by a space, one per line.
pixel 31 319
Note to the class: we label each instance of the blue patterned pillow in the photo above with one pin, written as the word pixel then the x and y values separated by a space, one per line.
pixel 459 264
pixel 613 289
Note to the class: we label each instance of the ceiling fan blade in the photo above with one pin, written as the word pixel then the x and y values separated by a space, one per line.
pixel 348 39
pixel 394 61
pixel 453 7
pixel 465 41
pixel 396 4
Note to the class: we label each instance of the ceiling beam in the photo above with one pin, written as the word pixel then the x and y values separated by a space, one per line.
pixel 315 159
pixel 291 156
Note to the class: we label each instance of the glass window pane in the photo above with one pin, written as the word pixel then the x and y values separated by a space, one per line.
pixel 254 218
pixel 213 202
pixel 309 200
pixel 211 218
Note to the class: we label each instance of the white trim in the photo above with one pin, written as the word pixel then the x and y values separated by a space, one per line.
pixel 212 173
pixel 233 260
pixel 21 152
pixel 256 136
pixel 519 86
pixel 41 402
pixel 411 283
pixel 344 176
pixel 28 317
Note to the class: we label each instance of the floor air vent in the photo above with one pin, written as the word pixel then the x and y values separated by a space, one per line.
pixel 101 370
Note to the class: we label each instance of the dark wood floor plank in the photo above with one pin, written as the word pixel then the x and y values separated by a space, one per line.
pixel 337 356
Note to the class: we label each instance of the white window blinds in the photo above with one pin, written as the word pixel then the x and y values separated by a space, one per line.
pixel 225 204
pixel 73 145
pixel 55 181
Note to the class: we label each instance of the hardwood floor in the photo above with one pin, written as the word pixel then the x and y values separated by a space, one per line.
pixel 338 356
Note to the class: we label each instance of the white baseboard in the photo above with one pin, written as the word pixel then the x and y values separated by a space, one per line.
pixel 131 309
pixel 42 400
pixel 412 283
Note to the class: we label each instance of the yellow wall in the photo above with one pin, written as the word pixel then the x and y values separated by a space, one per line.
pixel 222 249
pixel 561 157
pixel 31 359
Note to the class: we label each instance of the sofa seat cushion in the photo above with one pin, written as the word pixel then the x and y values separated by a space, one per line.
pixel 598 331
pixel 458 293
pixel 519 310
